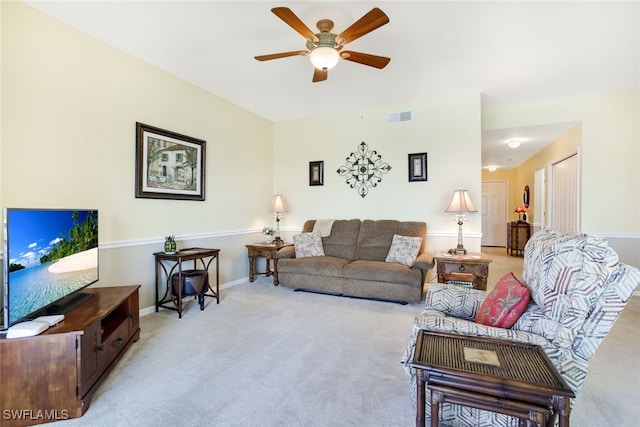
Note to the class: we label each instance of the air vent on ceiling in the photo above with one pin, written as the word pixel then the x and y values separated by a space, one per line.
pixel 399 117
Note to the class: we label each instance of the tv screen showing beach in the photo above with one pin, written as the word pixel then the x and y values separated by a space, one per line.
pixel 50 255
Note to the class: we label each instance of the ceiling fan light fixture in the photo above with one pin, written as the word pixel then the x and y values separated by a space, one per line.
pixel 324 57
pixel 513 143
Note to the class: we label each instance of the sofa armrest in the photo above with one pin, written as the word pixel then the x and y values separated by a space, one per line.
pixel 286 252
pixel 424 261
pixel 454 300
pixel 435 321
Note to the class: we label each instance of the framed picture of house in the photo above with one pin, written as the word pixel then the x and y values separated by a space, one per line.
pixel 316 173
pixel 168 165
pixel 417 167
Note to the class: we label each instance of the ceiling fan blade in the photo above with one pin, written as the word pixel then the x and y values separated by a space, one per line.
pixel 375 18
pixel 320 75
pixel 281 55
pixel 365 58
pixel 294 22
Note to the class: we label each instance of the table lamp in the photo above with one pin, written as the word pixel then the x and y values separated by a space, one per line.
pixel 460 204
pixel 520 210
pixel 277 207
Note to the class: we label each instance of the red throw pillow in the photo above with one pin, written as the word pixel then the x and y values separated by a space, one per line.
pixel 504 305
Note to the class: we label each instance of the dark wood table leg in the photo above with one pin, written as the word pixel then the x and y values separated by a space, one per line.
pixel 564 409
pixel 218 278
pixel 252 269
pixel 420 409
pixel 437 397
pixel 275 271
pixel 157 279
pixel 268 270
pixel 179 291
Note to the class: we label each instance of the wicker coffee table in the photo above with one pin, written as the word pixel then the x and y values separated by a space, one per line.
pixel 496 375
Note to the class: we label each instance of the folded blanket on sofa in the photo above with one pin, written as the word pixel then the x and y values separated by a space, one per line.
pixel 323 226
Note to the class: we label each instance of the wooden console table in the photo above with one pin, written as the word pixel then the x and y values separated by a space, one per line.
pixel 469 269
pixel 173 300
pixel 54 375
pixel 511 378
pixel 518 234
pixel 267 251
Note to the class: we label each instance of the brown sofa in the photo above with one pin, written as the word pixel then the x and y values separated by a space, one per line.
pixel 354 262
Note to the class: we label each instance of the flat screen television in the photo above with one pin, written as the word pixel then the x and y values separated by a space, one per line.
pixel 49 255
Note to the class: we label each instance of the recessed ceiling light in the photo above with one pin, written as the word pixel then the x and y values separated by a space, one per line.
pixel 513 143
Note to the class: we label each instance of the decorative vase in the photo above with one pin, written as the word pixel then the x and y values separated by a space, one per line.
pixel 170 245
pixel 268 238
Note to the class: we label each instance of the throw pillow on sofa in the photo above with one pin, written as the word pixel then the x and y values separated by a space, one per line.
pixel 308 244
pixel 506 302
pixel 404 249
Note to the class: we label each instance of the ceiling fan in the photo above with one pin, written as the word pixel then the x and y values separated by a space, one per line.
pixel 325 48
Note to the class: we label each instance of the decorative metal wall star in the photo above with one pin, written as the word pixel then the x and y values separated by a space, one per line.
pixel 363 169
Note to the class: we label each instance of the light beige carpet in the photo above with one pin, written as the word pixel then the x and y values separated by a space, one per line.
pixel 269 356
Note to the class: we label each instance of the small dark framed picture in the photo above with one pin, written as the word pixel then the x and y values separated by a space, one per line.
pixel 417 167
pixel 316 173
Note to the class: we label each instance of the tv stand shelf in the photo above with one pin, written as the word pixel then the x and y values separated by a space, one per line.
pixel 53 376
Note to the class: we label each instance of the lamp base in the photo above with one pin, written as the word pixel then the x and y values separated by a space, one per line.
pixel 458 251
pixel 278 240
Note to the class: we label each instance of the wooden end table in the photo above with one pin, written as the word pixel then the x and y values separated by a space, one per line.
pixel 471 268
pixel 174 263
pixel 502 376
pixel 267 251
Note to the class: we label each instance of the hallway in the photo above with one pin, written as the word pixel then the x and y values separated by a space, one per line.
pixel 501 264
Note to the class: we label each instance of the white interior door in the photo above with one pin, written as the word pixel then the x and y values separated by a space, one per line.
pixel 539 198
pixel 494 213
pixel 564 195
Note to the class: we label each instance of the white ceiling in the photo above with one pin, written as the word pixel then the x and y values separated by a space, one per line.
pixel 511 52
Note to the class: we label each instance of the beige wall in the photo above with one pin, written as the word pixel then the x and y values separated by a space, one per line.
pixel 447 129
pixel 565 146
pixel 609 156
pixel 517 178
pixel 69 109
pixel 608 140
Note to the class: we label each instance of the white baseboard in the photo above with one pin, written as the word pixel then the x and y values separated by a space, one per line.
pixel 147 310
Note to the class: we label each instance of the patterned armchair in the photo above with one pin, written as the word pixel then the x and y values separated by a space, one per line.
pixel 578 289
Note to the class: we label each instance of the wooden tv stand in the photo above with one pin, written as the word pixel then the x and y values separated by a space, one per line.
pixel 54 375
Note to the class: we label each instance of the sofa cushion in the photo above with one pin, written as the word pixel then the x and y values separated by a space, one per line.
pixel 308 245
pixel 504 305
pixel 533 320
pixel 454 300
pixel 316 266
pixel 342 241
pixel 404 249
pixel 375 237
pixel 379 271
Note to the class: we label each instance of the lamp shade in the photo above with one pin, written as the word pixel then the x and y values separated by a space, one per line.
pixel 461 202
pixel 519 210
pixel 278 204
pixel 324 57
